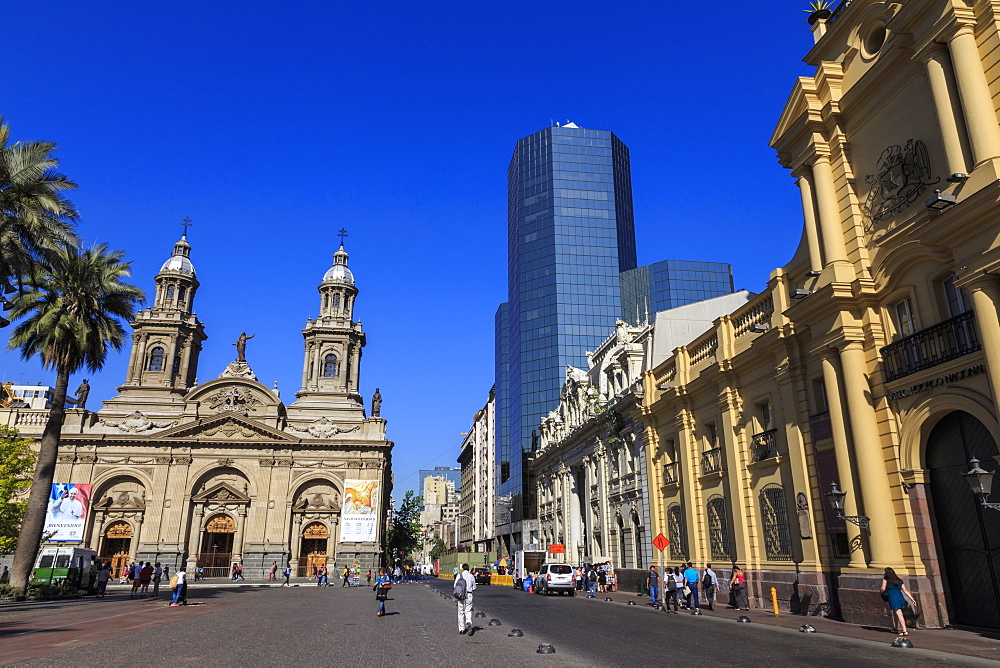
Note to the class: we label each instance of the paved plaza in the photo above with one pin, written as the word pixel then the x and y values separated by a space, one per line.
pixel 228 625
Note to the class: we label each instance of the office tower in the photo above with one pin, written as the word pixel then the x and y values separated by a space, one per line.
pixel 668 284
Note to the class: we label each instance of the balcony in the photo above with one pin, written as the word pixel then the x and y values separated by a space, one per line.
pixel 711 461
pixel 670 474
pixel 764 446
pixel 929 347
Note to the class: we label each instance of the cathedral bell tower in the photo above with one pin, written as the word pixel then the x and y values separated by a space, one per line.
pixel 167 338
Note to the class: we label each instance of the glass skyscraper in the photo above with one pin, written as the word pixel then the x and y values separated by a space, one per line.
pixel 570 234
pixel 669 284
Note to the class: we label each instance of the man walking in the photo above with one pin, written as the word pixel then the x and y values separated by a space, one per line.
pixel 592 581
pixel 288 574
pixel 157 576
pixel 465 584
pixel 691 580
pixel 653 585
pixel 710 585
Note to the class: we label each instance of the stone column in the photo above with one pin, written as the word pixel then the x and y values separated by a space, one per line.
pixel 240 538
pixel 977 102
pixel 942 80
pixel 140 362
pixel 840 446
pixel 834 249
pixel 573 513
pixel 884 537
pixel 985 294
pixel 809 215
pixel 196 537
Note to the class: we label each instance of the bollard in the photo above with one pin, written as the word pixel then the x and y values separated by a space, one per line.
pixel 743 619
pixel 494 622
pixel 515 633
pixel 807 628
pixel 774 600
pixel 902 643
pixel 545 648
pixel 480 615
pixel 631 603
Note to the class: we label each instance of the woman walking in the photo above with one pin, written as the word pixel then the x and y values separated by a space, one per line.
pixel 895 593
pixel 738 585
pixel 382 587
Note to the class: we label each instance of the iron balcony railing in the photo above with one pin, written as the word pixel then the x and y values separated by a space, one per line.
pixel 764 445
pixel 711 460
pixel 929 347
pixel 669 474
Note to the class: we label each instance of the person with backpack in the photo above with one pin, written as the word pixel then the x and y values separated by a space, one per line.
pixel 178 585
pixel 670 589
pixel 592 580
pixel 288 574
pixel 709 585
pixel 465 584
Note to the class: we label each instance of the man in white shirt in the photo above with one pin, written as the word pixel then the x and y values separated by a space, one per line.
pixel 465 604
pixel 710 585
pixel 180 589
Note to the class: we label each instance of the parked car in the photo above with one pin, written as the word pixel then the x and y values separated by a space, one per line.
pixel 555 577
pixel 482 576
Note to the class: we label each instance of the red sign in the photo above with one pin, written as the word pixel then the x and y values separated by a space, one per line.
pixel 557 549
pixel 661 542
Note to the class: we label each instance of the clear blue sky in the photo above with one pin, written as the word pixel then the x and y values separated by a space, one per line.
pixel 273 125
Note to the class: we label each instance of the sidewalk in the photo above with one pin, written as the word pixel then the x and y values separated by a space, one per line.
pixel 982 644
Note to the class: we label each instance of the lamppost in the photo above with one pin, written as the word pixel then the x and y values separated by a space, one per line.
pixel 981 483
pixel 837 501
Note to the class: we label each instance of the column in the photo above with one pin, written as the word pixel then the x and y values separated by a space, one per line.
pixel 942 80
pixel 140 362
pixel 809 214
pixel 985 293
pixel 240 538
pixel 830 223
pixel 977 103
pixel 841 448
pixel 196 537
pixel 573 513
pixel 884 537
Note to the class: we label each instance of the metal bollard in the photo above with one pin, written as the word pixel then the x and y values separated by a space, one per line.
pixel 774 600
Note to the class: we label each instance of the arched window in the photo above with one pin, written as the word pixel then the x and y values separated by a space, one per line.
pixel 177 364
pixel 675 527
pixel 774 520
pixel 330 366
pixel 718 528
pixel 336 300
pixel 326 300
pixel 156 359
pixel 170 292
pixel 181 291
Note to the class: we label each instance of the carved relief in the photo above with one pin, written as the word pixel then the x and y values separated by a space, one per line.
pixel 66 459
pixel 903 175
pixel 233 399
pixel 323 428
pixel 136 423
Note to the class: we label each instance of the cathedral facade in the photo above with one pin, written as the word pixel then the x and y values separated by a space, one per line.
pixel 220 472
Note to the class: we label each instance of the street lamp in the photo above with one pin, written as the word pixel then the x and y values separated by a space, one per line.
pixel 837 501
pixel 981 483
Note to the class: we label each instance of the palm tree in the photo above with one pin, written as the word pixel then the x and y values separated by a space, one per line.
pixel 35 216
pixel 71 310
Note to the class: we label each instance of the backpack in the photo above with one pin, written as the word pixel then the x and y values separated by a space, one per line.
pixel 706 581
pixel 671 583
pixel 460 589
pixel 592 575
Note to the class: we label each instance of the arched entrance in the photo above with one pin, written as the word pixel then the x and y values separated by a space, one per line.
pixel 217 546
pixel 314 545
pixel 969 534
pixel 115 545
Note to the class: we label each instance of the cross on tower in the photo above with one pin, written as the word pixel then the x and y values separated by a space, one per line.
pixel 342 234
pixel 186 224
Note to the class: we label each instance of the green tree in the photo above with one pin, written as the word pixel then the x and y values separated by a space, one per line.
pixel 405 530
pixel 36 219
pixel 71 317
pixel 16 463
pixel 438 549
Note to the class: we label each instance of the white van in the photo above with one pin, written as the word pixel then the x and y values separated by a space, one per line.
pixel 555 577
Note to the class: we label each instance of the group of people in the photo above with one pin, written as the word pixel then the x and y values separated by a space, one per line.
pixel 683 587
pixel 143 574
pixel 596 577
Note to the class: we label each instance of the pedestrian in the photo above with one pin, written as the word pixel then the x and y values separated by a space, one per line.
pixel 709 585
pixel 239 571
pixel 670 590
pixel 272 575
pixel 592 580
pixel 691 582
pixel 738 585
pixel 133 573
pixel 321 577
pixel 157 577
pixel 288 574
pixel 232 572
pixel 465 584
pixel 166 572
pixel 103 575
pixel 895 593
pixel 178 585
pixel 369 577
pixel 602 579
pixel 653 585
pixel 5 576
pixel 346 576
pixel 382 587
pixel 145 576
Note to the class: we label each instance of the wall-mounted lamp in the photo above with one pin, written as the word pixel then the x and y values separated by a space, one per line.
pixel 800 293
pixel 940 201
pixel 759 327
pixel 837 502
pixel 981 482
pixel 664 387
pixel 812 273
pixel 958 177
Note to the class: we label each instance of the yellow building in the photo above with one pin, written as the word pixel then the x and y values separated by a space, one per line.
pixel 872 360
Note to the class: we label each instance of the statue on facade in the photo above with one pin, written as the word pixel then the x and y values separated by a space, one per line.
pixel 82 392
pixel 241 346
pixel 376 404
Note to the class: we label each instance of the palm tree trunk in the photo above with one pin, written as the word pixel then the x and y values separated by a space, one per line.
pixel 41 487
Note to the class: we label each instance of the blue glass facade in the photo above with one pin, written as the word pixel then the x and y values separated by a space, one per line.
pixel 570 235
pixel 669 284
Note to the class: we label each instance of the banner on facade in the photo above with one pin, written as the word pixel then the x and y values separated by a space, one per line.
pixel 67 511
pixel 359 514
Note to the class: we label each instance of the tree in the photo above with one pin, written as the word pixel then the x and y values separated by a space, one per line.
pixel 405 530
pixel 72 310
pixel 438 549
pixel 16 462
pixel 36 219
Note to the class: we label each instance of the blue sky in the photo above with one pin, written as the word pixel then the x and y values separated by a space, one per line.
pixel 274 125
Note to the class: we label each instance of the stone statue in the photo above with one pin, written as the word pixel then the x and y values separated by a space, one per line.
pixel 81 396
pixel 241 346
pixel 376 404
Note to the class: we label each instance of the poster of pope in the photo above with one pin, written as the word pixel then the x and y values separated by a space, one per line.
pixel 67 511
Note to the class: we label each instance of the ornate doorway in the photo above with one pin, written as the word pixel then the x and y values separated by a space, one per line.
pixel 217 546
pixel 314 545
pixel 115 546
pixel 969 534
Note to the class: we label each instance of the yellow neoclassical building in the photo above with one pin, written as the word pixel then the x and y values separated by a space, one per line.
pixel 872 360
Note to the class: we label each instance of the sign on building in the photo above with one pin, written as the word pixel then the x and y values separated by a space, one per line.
pixel 67 511
pixel 359 514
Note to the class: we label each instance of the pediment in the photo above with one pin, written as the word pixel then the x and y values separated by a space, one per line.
pixel 227 426
pixel 221 493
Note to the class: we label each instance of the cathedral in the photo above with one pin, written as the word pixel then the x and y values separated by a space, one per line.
pixel 209 474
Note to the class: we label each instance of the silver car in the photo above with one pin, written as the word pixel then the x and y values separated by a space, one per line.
pixel 555 577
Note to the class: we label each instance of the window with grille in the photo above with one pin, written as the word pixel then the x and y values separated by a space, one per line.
pixel 718 528
pixel 675 527
pixel 774 520
pixel 156 359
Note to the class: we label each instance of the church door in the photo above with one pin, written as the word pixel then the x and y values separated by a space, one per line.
pixel 314 540
pixel 969 534
pixel 217 546
pixel 115 547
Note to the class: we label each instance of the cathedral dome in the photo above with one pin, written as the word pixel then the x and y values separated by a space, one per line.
pixel 179 261
pixel 339 273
